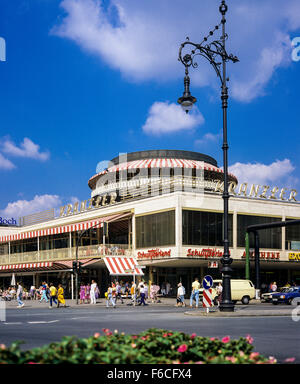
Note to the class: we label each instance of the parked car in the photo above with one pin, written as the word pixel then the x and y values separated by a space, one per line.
pixel 267 297
pixel 241 290
pixel 286 297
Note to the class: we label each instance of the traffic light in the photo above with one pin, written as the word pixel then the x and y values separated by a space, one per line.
pixel 79 267
pixel 74 267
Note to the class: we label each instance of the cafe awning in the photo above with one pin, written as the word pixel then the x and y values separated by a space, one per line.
pixel 64 228
pixel 123 266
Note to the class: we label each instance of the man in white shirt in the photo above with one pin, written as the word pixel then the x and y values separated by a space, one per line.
pixel 93 292
pixel 19 296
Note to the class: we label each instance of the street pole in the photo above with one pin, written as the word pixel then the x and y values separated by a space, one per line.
pixel 213 52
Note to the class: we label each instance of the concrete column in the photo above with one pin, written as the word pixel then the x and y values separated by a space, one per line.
pixel 283 229
pixel 38 246
pixel 70 246
pixel 234 230
pixel 178 226
pixel 133 228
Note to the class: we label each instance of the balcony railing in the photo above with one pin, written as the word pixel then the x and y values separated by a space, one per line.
pixel 84 252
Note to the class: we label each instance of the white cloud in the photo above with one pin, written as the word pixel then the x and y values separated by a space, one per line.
pixel 277 172
pixel 168 118
pixel 207 139
pixel 5 163
pixel 26 149
pixel 141 38
pixel 25 207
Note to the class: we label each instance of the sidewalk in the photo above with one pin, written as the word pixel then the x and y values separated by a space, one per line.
pixel 252 309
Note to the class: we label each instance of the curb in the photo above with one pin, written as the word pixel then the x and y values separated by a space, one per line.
pixel 236 314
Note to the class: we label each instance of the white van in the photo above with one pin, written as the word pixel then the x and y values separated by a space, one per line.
pixel 241 290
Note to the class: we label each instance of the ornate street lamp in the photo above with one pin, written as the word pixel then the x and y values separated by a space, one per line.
pixel 213 52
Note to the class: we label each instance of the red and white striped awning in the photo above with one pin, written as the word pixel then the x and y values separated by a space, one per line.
pixel 45 266
pixel 123 266
pixel 58 230
pixel 164 163
pixel 160 163
pixel 26 266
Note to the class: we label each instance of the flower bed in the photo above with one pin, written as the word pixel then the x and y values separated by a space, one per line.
pixel 153 346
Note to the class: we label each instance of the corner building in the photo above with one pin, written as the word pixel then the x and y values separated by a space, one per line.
pixel 165 208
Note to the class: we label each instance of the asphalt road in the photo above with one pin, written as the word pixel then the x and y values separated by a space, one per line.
pixel 273 336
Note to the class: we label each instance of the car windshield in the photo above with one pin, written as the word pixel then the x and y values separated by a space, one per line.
pixel 285 289
pixel 293 289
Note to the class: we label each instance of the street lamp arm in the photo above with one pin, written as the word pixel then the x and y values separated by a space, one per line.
pixel 211 52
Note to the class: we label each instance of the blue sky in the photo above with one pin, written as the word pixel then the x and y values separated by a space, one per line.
pixel 85 80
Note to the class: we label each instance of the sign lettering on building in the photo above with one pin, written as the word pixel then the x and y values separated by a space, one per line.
pixel 294 256
pixel 205 252
pixel 264 255
pixel 4 221
pixel 154 253
pixel 258 191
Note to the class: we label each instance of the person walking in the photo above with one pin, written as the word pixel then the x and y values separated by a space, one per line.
pixel 219 290
pixel 142 295
pixel 274 287
pixel 60 296
pixel 133 292
pixel 88 293
pixel 53 293
pixel 195 293
pixel 44 292
pixel 180 296
pixel 82 293
pixel 93 292
pixel 109 297
pixel 20 295
pixel 32 292
pixel 119 292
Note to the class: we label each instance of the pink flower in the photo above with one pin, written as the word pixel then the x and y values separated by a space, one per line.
pixel 226 339
pixel 134 337
pixel 212 338
pixel 165 335
pixel 97 334
pixel 144 338
pixel 108 333
pixel 32 362
pixel 249 339
pixel 289 360
pixel 193 335
pixel 199 362
pixel 272 360
pixel 231 358
pixel 182 348
pixel 133 345
pixel 254 355
pixel 170 334
pixel 2 346
pixel 105 330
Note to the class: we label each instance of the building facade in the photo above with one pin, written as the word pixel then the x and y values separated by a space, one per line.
pixel 165 208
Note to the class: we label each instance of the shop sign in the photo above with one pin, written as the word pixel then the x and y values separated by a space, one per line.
pixel 264 255
pixel 154 253
pixel 258 191
pixel 86 205
pixel 205 252
pixel 213 264
pixel 4 221
pixel 294 256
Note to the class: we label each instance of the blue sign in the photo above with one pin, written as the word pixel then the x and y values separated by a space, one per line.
pixel 207 282
pixel 11 221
